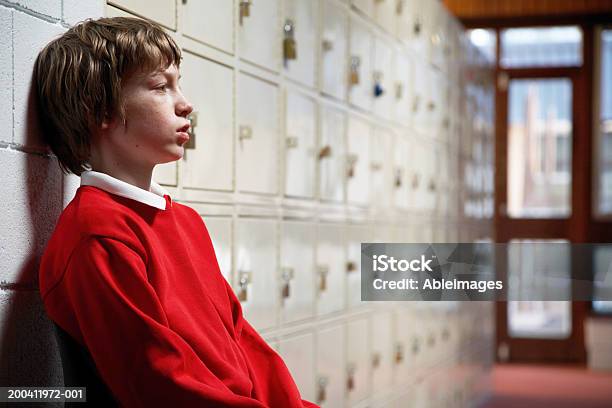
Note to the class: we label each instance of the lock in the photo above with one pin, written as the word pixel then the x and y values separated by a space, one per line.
pixel 351 266
pixel 327 45
pixel 378 89
pixel 193 122
pixel 323 272
pixel 322 389
pixel 431 340
pixel 417 27
pixel 289 43
pixel 292 142
pixel 245 132
pixel 432 185
pixel 354 73
pixel 416 345
pixel 431 106
pixel 325 151
pixel 376 360
pixel 244 279
pixel 415 103
pixel 350 376
pixel 398 177
pixel 399 90
pixel 399 353
pixel 351 159
pixel 286 276
pixel 245 9
pixel 399 7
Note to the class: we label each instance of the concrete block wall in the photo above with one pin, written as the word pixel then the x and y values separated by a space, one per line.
pixel 33 189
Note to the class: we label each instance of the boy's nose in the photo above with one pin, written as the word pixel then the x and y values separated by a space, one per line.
pixel 184 108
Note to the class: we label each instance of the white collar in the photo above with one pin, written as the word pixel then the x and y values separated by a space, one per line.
pixel 154 197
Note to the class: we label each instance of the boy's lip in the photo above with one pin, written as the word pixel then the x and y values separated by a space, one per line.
pixel 183 137
pixel 184 129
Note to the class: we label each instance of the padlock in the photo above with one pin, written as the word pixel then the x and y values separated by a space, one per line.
pixel 289 43
pixel 398 177
pixel 378 89
pixel 350 165
pixel 350 376
pixel 415 345
pixel 354 73
pixel 245 132
pixel 415 103
pixel 351 266
pixel 399 90
pixel 376 360
pixel 415 181
pixel 399 7
pixel 292 142
pixel 286 276
pixel 399 353
pixel 322 390
pixel 193 121
pixel 244 278
pixel 325 151
pixel 245 9
pixel 323 271
pixel 417 27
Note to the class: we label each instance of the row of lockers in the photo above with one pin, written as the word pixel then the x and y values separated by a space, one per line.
pixel 293 271
pixel 368 358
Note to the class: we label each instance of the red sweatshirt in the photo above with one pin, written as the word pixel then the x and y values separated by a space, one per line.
pixel 140 287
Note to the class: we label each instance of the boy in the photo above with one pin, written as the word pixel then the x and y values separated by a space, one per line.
pixel 129 274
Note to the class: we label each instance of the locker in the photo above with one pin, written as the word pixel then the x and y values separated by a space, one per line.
pixel 303 14
pixel 386 14
pixel 162 12
pixel 358 161
pixel 331 380
pixel 411 26
pixel 332 155
pixel 400 173
pixel 383 79
pixel 333 50
pixel 358 367
pixel 381 178
pixel 299 356
pixel 356 234
pixel 403 88
pixel 361 87
pixel 220 231
pixel 256 270
pixel 165 173
pixel 296 275
pixel 212 28
pixel 257 136
pixel 209 87
pixel 382 352
pixel 259 34
pixel 300 144
pixel 330 272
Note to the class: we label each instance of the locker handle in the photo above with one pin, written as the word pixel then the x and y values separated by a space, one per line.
pixel 322 389
pixel 287 274
pixel 399 90
pixel 193 122
pixel 351 266
pixel 245 9
pixel 327 45
pixel 376 360
pixel 399 353
pixel 292 142
pixel 350 376
pixel 399 7
pixel 244 279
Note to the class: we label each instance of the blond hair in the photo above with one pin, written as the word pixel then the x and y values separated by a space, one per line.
pixel 78 79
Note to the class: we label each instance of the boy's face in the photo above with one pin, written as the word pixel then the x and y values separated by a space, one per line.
pixel 156 121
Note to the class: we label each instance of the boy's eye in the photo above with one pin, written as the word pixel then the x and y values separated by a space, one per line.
pixel 161 87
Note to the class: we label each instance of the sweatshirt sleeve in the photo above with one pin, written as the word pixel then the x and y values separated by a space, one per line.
pixel 124 327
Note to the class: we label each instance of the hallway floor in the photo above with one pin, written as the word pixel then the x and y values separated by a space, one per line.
pixel 526 386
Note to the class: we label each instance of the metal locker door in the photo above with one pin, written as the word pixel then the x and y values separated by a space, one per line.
pixel 210 88
pixel 210 22
pixel 331 380
pixel 296 275
pixel 383 73
pixel 165 173
pixel 358 161
pixel 357 364
pixel 403 88
pixel 333 50
pixel 304 16
pixel 300 142
pixel 220 231
pixel 259 33
pixel 161 11
pixel 356 234
pixel 381 143
pixel 257 138
pixel 382 352
pixel 330 268
pixel 361 84
pixel 386 15
pixel 256 270
pixel 299 356
pixel 331 155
